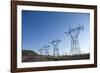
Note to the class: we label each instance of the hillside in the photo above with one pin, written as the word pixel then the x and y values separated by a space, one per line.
pixel 32 56
pixel 29 52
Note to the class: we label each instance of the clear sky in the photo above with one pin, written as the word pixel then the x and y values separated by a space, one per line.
pixel 41 27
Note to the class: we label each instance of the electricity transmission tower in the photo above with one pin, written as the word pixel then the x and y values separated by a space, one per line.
pixel 55 44
pixel 41 51
pixel 46 49
pixel 74 34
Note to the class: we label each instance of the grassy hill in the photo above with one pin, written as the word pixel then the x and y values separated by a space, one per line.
pixel 67 57
pixel 29 52
pixel 32 56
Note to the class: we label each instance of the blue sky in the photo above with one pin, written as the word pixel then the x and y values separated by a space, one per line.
pixel 41 27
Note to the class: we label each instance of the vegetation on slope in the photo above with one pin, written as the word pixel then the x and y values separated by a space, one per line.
pixel 29 52
pixel 32 56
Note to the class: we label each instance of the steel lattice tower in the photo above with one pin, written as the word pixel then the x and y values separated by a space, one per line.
pixel 41 51
pixel 74 34
pixel 55 44
pixel 46 48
